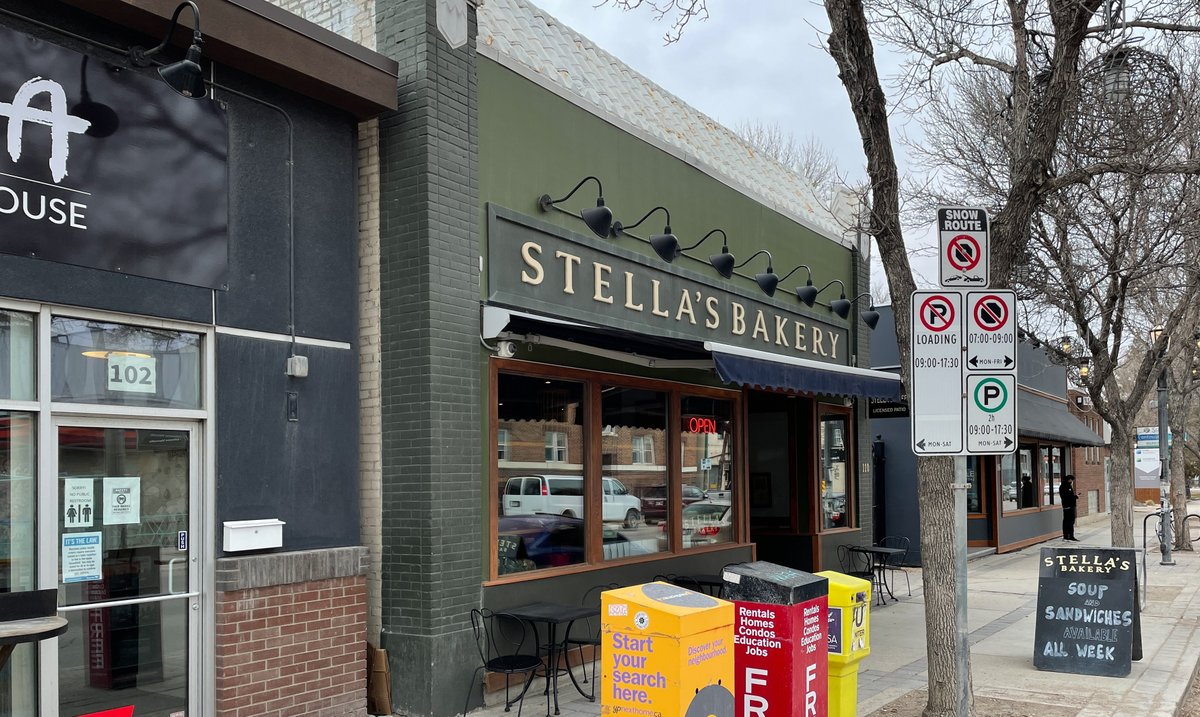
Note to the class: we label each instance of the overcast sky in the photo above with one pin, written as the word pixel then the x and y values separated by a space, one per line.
pixel 753 60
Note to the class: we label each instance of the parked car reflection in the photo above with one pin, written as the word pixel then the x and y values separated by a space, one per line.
pixel 542 540
pixel 705 522
pixel 654 501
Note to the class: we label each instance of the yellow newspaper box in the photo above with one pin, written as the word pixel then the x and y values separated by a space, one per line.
pixel 849 639
pixel 666 650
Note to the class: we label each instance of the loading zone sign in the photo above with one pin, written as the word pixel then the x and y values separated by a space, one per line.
pixel 936 398
pixel 963 247
pixel 991 413
pixel 991 331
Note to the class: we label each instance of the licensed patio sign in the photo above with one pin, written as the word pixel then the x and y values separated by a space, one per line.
pixel 1087 611
pixel 109 168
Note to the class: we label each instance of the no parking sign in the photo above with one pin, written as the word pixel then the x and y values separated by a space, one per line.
pixel 963 239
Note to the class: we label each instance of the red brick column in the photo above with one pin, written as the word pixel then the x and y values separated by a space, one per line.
pixel 292 650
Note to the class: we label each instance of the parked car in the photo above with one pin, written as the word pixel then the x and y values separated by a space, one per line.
pixel 705 522
pixel 563 495
pixel 654 501
pixel 530 542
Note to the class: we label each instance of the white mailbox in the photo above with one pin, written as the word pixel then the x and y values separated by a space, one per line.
pixel 253 534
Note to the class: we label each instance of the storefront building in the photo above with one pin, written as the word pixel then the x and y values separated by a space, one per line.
pixel 178 355
pixel 1091 463
pixel 1013 500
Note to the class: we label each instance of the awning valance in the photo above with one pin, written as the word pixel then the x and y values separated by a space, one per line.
pixel 1040 417
pixel 759 368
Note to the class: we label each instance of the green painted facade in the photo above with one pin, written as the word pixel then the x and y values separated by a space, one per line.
pixel 533 142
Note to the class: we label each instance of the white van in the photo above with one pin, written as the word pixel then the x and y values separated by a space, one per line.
pixel 563 495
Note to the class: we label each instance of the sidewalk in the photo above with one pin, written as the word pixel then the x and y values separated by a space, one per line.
pixel 1003 598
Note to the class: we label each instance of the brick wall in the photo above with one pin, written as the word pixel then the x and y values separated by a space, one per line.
pixel 291 634
pixel 1087 462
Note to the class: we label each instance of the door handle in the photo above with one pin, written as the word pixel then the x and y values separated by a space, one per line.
pixel 171 576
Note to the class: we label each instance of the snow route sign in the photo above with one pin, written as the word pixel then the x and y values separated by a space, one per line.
pixel 963 242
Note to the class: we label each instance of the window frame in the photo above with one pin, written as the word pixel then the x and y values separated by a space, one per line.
pixel 848 443
pixel 642 447
pixel 554 445
pixel 593 469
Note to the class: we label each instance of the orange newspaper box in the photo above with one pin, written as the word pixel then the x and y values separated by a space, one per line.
pixel 666 650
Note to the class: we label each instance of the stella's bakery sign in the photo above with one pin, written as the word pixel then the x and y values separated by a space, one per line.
pixel 532 265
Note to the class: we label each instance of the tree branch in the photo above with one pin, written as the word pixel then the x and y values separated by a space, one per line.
pixel 1127 166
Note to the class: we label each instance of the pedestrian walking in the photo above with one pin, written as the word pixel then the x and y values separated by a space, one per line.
pixel 1069 498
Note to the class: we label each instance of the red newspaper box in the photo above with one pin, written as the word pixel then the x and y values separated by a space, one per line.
pixel 780 658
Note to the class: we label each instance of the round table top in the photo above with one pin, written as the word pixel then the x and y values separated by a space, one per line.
pixel 32 629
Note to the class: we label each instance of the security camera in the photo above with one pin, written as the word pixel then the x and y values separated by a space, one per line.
pixel 506 349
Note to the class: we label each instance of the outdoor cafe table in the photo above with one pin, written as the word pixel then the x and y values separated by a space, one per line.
pixel 552 615
pixel 14 632
pixel 878 558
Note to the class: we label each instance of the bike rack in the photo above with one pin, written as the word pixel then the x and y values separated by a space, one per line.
pixel 1158 531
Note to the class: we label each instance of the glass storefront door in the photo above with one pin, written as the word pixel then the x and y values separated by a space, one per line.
pixel 128 571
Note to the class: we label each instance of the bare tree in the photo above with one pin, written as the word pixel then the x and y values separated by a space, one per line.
pixel 809 158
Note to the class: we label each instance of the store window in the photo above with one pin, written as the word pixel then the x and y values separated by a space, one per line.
pixel 974 466
pixel 18 358
pixel 706 438
pixel 638 418
pixel 833 437
pixel 542 519
pixel 1051 473
pixel 556 509
pixel 118 364
pixel 1019 480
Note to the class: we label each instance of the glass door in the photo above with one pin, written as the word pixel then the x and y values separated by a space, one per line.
pixel 128 568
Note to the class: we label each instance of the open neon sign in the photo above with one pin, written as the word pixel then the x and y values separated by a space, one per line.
pixel 700 424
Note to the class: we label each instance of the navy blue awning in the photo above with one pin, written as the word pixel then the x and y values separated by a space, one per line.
pixel 759 368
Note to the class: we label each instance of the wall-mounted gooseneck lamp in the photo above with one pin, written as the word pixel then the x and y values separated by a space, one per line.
pixel 870 317
pixel 809 285
pixel 667 245
pixel 598 218
pixel 808 294
pixel 185 76
pixel 768 280
pixel 666 238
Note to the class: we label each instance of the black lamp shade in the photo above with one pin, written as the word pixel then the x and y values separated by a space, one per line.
pixel 870 317
pixel 841 307
pixel 186 77
pixel 807 294
pixel 598 218
pixel 665 245
pixel 767 281
pixel 723 263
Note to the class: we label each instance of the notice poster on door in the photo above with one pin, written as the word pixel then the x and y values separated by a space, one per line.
pixel 78 503
pixel 81 557
pixel 122 500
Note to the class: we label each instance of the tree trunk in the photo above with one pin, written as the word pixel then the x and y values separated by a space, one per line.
pixel 1121 486
pixel 1181 404
pixel 938 575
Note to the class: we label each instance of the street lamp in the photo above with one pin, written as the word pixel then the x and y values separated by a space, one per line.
pixel 1166 527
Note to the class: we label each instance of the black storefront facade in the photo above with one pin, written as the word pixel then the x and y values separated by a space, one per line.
pixel 1013 500
pixel 162 257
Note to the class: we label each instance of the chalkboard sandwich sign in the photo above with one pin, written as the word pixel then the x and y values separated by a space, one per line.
pixel 1087 612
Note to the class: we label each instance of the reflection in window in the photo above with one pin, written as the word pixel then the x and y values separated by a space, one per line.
pixel 501 444
pixel 541 522
pixel 99 362
pixel 643 449
pixel 1018 480
pixel 1052 470
pixel 638 420
pixel 1008 482
pixel 18 549
pixel 835 504
pixel 17 356
pixel 556 447
pixel 707 440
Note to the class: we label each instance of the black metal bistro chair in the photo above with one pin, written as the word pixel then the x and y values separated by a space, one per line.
pixel 506 645
pixel 585 632
pixel 855 564
pixel 896 564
